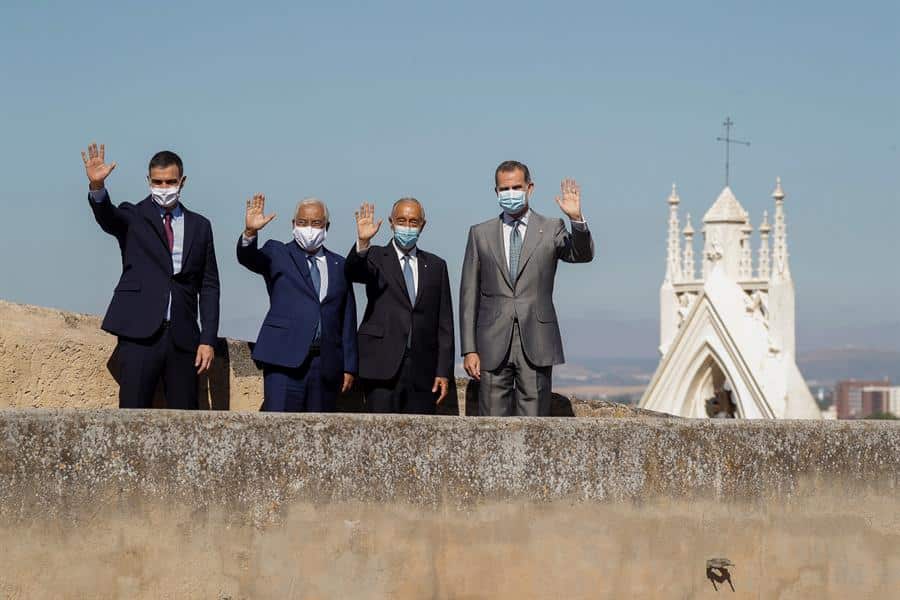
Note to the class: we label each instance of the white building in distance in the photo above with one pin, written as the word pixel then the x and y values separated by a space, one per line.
pixel 727 336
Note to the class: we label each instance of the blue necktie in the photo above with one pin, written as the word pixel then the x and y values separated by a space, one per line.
pixel 410 291
pixel 410 281
pixel 317 284
pixel 515 249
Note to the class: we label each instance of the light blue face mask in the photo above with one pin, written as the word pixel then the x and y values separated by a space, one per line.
pixel 511 201
pixel 406 237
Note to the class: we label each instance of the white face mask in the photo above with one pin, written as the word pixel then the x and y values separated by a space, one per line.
pixel 309 238
pixel 166 196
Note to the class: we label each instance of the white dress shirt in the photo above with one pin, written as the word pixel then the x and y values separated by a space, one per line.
pixel 413 263
pixel 507 229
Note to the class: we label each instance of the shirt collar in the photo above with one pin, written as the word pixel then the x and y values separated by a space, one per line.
pixel 320 253
pixel 176 211
pixel 523 219
pixel 401 253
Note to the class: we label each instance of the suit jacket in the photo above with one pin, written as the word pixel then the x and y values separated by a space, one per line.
pixel 490 301
pixel 139 302
pixel 294 309
pixel 389 316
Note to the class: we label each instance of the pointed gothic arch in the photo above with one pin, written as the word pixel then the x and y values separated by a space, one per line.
pixel 733 324
pixel 708 377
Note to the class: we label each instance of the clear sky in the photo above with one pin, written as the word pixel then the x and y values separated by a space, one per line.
pixel 371 101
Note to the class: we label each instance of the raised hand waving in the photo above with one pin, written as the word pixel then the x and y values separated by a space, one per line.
pixel 256 218
pixel 366 227
pixel 95 166
pixel 569 199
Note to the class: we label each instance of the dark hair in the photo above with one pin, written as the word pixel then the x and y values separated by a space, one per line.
pixel 164 159
pixel 512 165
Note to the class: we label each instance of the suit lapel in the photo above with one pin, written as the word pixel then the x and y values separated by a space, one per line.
pixel 424 274
pixel 498 246
pixel 150 211
pixel 190 233
pixel 299 258
pixel 334 275
pixel 392 266
pixel 533 234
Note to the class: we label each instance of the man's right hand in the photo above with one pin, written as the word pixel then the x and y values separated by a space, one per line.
pixel 366 227
pixel 95 166
pixel 472 365
pixel 256 218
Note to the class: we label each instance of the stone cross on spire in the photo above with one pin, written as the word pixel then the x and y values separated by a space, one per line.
pixel 728 124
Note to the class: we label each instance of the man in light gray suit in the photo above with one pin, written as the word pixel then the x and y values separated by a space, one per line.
pixel 509 333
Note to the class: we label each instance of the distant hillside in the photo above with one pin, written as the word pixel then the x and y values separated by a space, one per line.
pixel 828 366
pixel 606 371
pixel 823 367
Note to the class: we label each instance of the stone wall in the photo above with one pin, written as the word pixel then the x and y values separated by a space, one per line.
pixel 156 504
pixel 239 504
pixel 56 359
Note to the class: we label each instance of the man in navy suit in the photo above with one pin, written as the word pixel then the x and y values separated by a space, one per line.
pixel 168 268
pixel 307 342
pixel 406 337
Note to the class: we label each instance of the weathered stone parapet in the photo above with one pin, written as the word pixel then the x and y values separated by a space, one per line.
pixel 150 504
pixel 254 463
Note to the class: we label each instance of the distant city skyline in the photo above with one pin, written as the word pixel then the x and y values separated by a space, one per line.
pixel 374 102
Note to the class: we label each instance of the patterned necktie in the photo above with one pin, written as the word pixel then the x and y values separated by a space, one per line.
pixel 515 249
pixel 170 233
pixel 316 277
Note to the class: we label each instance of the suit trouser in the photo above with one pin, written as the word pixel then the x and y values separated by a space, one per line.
pixel 299 389
pixel 399 394
pixel 143 362
pixel 516 387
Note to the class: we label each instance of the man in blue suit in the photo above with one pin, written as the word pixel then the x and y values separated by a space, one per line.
pixel 307 342
pixel 168 269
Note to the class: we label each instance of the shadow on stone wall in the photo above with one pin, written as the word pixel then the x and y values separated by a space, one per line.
pixel 233 360
pixel 563 406
pixel 213 388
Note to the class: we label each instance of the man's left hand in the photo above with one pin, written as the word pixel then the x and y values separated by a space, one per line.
pixel 442 384
pixel 569 199
pixel 204 360
pixel 348 383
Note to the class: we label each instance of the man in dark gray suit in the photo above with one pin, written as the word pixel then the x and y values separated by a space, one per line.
pixel 508 329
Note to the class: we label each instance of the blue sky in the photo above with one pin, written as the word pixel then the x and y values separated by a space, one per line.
pixel 361 102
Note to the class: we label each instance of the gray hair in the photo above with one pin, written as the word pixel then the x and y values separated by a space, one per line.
pixel 312 200
pixel 409 199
